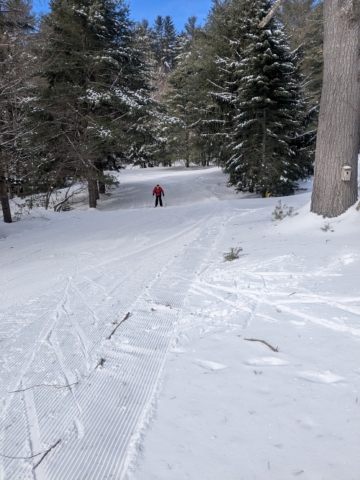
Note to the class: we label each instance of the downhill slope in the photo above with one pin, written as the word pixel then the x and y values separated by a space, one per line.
pixel 173 390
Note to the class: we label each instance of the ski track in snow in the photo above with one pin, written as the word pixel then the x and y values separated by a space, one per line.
pixel 80 323
pixel 101 418
pixel 268 291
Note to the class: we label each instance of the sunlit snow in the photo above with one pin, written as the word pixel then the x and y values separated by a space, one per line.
pixel 183 387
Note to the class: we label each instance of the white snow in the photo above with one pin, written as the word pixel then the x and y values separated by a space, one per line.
pixel 177 390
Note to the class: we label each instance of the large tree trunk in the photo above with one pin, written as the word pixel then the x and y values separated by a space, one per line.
pixel 102 188
pixel 187 150
pixel 96 186
pixel 339 120
pixel 92 189
pixel 5 205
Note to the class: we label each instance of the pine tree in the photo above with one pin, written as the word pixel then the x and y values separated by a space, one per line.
pixel 166 47
pixel 262 86
pixel 182 99
pixel 16 24
pixel 205 126
pixel 165 43
pixel 212 123
pixel 303 23
pixel 144 41
pixel 94 104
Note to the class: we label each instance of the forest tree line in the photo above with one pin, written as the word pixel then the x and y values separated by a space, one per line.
pixel 85 91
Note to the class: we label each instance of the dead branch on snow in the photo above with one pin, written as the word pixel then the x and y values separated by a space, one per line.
pixel 44 385
pixel 262 341
pixel 47 451
pixel 118 325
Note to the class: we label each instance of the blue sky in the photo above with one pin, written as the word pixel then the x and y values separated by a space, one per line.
pixel 179 10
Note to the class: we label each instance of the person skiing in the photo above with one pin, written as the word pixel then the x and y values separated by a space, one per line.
pixel 158 191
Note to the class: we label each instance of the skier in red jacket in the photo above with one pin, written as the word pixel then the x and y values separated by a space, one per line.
pixel 158 191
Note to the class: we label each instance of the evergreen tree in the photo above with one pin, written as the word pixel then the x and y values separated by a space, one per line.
pixel 93 106
pixel 212 124
pixel 262 86
pixel 204 133
pixel 144 41
pixel 303 22
pixel 165 50
pixel 182 100
pixel 165 43
pixel 16 24
pixel 158 39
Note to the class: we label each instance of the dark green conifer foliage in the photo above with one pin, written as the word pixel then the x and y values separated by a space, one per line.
pixel 303 22
pixel 209 119
pixel 165 43
pixel 144 41
pixel 183 100
pixel 94 102
pixel 263 86
pixel 16 25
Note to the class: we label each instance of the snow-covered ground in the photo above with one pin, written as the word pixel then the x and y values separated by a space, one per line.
pixel 177 389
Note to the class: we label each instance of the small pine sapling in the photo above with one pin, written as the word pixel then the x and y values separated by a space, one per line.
pixel 327 227
pixel 282 211
pixel 233 254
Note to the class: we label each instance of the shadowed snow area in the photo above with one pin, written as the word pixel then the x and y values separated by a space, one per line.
pixel 182 387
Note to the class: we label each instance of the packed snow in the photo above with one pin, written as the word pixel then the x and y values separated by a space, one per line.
pixel 131 350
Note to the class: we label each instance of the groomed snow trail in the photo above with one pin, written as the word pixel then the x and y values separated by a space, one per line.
pixel 62 378
pixel 232 408
pixel 174 390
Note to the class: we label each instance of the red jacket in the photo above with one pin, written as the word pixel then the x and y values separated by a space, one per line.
pixel 158 191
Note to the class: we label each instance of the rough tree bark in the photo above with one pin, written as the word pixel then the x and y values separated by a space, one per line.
pixel 187 149
pixel 102 188
pixel 339 120
pixel 5 205
pixel 92 189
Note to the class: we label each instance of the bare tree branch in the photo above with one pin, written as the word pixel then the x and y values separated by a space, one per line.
pixel 270 15
pixel 118 325
pixel 21 458
pixel 47 451
pixel 262 341
pixel 44 385
pixel 35 455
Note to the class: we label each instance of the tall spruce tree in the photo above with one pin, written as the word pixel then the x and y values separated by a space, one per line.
pixel 182 99
pixel 93 106
pixel 211 118
pixel 165 42
pixel 268 146
pixel 205 126
pixel 165 45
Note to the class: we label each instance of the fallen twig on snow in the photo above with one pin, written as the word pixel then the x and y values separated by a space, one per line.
pixel 35 455
pixel 118 325
pixel 47 451
pixel 44 385
pixel 100 363
pixel 262 341
pixel 21 458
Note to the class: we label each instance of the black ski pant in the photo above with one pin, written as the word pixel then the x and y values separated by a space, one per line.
pixel 158 199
